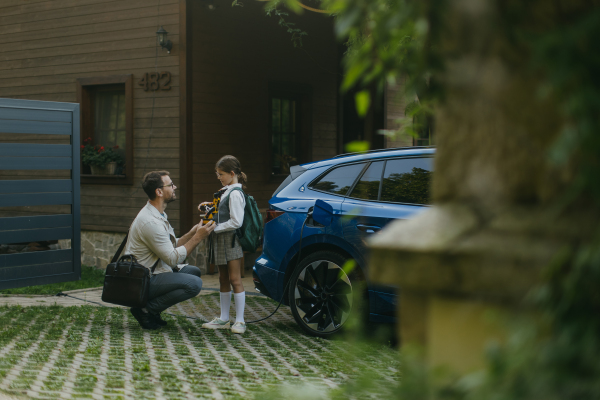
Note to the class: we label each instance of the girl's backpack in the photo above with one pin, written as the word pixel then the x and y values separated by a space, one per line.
pixel 251 232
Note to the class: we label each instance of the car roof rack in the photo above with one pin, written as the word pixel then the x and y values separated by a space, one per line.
pixel 379 150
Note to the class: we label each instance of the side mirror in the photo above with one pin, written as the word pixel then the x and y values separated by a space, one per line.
pixel 322 213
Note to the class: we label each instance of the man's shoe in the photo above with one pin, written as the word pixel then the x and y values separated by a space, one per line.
pixel 146 321
pixel 216 323
pixel 239 327
pixel 159 320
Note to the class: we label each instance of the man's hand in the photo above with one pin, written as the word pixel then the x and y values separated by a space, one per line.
pixel 186 238
pixel 203 231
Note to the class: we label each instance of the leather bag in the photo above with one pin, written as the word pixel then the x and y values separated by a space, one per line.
pixel 126 283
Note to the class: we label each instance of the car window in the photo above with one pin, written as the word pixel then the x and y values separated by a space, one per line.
pixel 339 180
pixel 407 180
pixel 367 187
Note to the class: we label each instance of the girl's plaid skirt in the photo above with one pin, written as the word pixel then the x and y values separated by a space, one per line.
pixel 220 249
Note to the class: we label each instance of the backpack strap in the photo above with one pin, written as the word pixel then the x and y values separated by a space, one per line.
pixel 240 189
pixel 237 231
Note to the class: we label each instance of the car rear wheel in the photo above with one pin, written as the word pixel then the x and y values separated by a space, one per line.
pixel 321 293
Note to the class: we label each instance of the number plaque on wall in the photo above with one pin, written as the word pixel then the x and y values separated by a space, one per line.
pixel 156 81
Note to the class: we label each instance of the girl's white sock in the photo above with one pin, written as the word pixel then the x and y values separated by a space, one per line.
pixel 240 304
pixel 225 304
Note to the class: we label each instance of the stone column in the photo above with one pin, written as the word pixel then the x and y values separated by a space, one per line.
pixel 495 223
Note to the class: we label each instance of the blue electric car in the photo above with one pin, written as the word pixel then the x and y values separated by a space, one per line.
pixel 364 192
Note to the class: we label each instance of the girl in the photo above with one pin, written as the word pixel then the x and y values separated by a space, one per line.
pixel 225 250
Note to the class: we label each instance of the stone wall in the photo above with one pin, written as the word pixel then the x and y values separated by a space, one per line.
pixel 97 249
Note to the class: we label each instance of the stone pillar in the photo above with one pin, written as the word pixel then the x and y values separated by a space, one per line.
pixel 494 225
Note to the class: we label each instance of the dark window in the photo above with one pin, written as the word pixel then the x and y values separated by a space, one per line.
pixel 339 180
pixel 422 124
pixel 106 105
pixel 368 186
pixel 285 129
pixel 407 180
pixel 290 127
pixel 362 128
pixel 109 118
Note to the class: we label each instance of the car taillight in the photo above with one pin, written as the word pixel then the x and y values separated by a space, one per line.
pixel 272 214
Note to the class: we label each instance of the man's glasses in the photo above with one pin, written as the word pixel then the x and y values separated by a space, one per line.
pixel 170 184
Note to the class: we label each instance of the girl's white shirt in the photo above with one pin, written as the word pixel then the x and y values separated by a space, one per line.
pixel 236 209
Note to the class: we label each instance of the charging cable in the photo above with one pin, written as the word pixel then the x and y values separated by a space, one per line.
pixel 308 215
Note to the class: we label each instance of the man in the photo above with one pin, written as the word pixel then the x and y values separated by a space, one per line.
pixel 152 241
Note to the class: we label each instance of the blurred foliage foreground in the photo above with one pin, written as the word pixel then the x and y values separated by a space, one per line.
pixel 557 356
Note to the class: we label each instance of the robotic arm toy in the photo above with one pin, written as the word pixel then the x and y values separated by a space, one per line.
pixel 210 210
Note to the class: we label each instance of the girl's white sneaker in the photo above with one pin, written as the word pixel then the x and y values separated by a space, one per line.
pixel 216 323
pixel 238 327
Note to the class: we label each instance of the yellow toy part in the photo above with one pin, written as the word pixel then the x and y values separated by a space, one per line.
pixel 211 209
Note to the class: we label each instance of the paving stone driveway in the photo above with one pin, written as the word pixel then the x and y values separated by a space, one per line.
pixel 97 352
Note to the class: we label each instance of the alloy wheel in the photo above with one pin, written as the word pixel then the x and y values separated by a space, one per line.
pixel 323 296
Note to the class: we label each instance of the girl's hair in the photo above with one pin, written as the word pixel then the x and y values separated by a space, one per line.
pixel 231 164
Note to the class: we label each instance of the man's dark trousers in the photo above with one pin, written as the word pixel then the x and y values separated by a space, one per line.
pixel 168 289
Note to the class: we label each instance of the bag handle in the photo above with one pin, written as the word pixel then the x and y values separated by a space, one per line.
pixel 116 256
pixel 120 249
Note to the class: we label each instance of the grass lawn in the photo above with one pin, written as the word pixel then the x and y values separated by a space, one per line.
pixel 90 278
pixel 59 352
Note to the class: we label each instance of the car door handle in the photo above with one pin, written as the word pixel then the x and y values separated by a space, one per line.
pixel 368 228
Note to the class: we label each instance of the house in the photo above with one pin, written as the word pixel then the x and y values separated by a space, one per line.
pixel 231 83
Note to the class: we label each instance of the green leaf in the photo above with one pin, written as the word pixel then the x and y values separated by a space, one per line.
pixel 363 102
pixel 349 266
pixel 293 5
pixel 357 147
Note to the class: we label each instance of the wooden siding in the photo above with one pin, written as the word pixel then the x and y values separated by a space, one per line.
pixel 55 42
pixel 237 51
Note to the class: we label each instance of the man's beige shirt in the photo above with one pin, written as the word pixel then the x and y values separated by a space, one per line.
pixel 151 237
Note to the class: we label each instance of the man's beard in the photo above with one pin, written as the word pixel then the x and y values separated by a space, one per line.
pixel 171 199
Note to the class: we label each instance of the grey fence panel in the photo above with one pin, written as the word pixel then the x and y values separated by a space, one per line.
pixel 24 114
pixel 38 127
pixel 36 222
pixel 35 199
pixel 36 271
pixel 34 258
pixel 15 163
pixel 36 235
pixel 20 117
pixel 37 186
pixel 34 150
pixel 76 205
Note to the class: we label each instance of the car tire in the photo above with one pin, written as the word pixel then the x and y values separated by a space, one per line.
pixel 321 294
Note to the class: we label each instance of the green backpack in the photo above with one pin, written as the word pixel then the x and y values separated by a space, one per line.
pixel 251 232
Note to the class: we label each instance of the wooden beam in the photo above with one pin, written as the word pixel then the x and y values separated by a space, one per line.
pixel 185 115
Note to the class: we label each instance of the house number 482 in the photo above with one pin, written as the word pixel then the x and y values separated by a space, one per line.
pixel 156 81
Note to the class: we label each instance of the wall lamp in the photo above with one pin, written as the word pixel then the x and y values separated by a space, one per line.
pixel 163 41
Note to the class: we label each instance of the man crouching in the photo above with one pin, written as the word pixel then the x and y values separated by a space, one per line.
pixel 153 243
